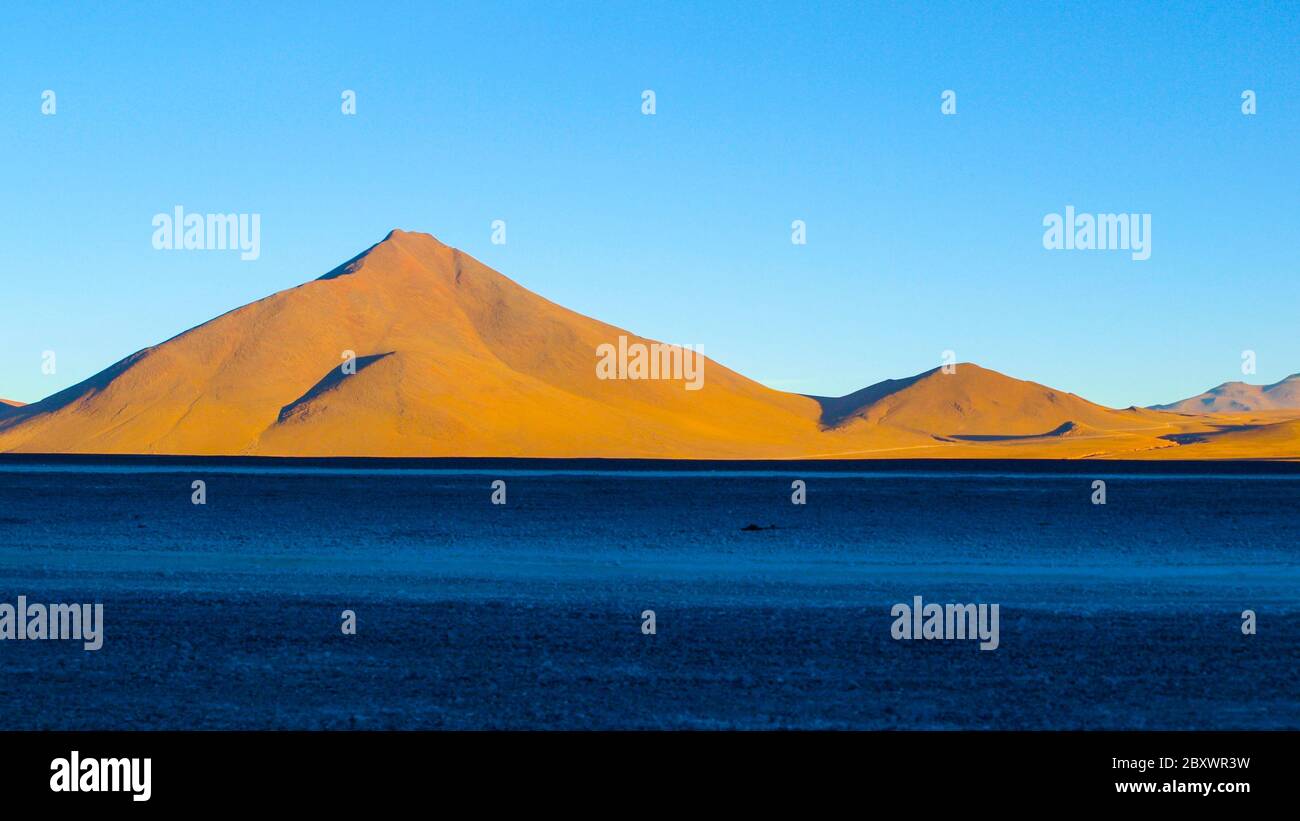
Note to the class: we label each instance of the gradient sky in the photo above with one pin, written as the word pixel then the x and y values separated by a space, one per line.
pixel 924 231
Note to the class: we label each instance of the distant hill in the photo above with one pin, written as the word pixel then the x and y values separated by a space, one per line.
pixel 970 402
pixel 1239 396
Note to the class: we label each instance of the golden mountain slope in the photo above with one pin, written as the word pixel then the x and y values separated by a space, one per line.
pixel 454 359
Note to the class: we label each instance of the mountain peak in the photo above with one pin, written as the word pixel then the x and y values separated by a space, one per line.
pixel 396 240
pixel 403 234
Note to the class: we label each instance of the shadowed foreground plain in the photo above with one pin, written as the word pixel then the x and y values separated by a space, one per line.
pixel 528 616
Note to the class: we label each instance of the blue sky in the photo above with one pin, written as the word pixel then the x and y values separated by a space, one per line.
pixel 924 230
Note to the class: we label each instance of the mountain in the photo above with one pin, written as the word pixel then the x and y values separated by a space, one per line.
pixel 452 359
pixel 971 402
pixel 1239 396
pixel 447 357
pixel 8 406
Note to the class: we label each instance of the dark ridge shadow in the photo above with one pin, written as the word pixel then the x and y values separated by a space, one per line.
pixel 1206 436
pixel 1187 438
pixel 330 381
pixel 1060 430
pixel 836 410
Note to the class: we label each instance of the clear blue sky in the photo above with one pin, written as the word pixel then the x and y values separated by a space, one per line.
pixel 924 231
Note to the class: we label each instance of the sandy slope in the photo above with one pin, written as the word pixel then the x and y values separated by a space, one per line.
pixel 455 359
pixel 1273 435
